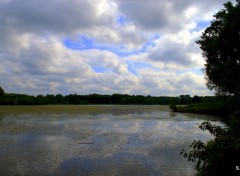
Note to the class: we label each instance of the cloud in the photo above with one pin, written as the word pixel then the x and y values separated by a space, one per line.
pixel 52 16
pixel 166 15
pixel 179 48
pixel 86 43
pixel 103 46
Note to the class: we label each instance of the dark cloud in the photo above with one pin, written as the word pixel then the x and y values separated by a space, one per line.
pixel 35 61
pixel 149 14
pixel 174 54
pixel 164 15
pixel 53 16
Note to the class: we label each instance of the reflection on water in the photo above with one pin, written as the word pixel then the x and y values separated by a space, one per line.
pixel 122 140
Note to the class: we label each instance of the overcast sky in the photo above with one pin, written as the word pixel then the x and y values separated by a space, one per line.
pixel 104 46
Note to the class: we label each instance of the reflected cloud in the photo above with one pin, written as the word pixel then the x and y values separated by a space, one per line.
pixel 118 141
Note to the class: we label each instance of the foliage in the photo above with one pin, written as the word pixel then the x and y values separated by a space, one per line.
pixel 220 44
pixel 217 108
pixel 1 92
pixel 173 107
pixel 185 99
pixel 218 156
pixel 21 99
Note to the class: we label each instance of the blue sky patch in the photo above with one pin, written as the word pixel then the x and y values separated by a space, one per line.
pixel 87 43
pixel 121 20
pixel 134 66
pixel 201 25
pixel 198 71
pixel 100 69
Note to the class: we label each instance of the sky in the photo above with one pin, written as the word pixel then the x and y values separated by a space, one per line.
pixel 104 46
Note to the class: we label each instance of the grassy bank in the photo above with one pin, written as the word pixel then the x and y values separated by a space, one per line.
pixel 79 109
pixel 202 108
pixel 50 109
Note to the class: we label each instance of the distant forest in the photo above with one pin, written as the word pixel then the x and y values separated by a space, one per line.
pixel 22 99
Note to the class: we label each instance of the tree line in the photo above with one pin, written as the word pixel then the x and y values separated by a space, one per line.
pixel 22 99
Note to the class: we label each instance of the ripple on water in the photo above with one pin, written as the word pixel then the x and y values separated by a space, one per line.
pixel 120 141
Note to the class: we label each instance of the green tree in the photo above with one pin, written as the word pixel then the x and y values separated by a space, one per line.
pixel 220 44
pixel 196 99
pixel 185 99
pixel 1 92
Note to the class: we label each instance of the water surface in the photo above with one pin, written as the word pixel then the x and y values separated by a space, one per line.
pixel 97 140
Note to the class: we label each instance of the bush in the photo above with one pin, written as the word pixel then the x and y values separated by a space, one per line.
pixel 173 107
pixel 219 156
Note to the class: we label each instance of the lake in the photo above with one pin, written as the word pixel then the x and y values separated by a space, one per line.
pixel 97 140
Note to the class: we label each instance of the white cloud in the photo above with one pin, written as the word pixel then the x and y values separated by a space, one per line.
pixel 34 59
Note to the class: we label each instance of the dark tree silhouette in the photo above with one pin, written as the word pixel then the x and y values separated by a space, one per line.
pixel 1 92
pixel 220 44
